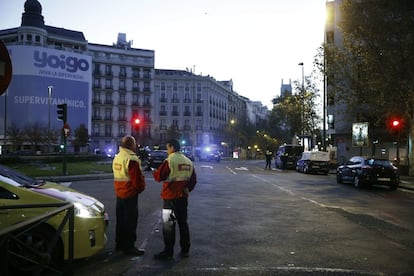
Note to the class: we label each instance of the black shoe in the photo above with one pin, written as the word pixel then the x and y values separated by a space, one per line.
pixel 185 254
pixel 163 256
pixel 133 252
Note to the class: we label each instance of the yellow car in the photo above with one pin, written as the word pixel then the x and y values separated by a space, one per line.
pixel 90 220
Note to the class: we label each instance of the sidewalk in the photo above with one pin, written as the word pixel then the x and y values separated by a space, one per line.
pixel 407 182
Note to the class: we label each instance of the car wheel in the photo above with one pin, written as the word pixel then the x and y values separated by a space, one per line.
pixel 339 178
pixel 305 169
pixel 24 261
pixel 357 182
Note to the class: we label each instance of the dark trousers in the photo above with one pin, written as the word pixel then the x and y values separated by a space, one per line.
pixel 126 222
pixel 175 211
pixel 268 163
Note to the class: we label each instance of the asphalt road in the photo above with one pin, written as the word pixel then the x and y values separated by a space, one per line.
pixel 245 220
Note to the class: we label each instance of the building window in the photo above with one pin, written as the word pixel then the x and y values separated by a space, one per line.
pixel 108 84
pixel 108 98
pixel 147 100
pixel 146 115
pixel 121 130
pixel 175 87
pixel 108 130
pixel 135 73
pixel 163 98
pixel 135 99
pixel 122 72
pixel 187 98
pixel 146 86
pixel 122 115
pixel 122 99
pixel 96 129
pixel 162 86
pixel 135 85
pixel 122 84
pixel 187 111
pixel 108 70
pixel 108 114
pixel 198 86
pixel 175 98
pixel 147 74
pixel 29 37
pixel 96 83
pixel 175 124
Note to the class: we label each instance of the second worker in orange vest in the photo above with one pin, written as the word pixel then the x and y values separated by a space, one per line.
pixel 179 179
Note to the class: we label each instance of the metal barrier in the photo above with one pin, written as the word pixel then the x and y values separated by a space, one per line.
pixel 10 235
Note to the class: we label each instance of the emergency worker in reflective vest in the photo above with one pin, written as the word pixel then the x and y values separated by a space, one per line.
pixel 179 179
pixel 128 183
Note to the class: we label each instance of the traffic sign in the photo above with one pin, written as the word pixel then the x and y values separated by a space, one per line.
pixel 5 68
pixel 66 130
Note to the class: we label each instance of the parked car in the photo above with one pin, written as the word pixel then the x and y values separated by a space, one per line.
pixel 313 162
pixel 287 156
pixel 156 157
pixel 368 171
pixel 90 219
pixel 209 153
pixel 188 154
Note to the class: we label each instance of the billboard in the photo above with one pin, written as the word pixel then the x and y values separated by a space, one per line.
pixel 42 79
pixel 360 134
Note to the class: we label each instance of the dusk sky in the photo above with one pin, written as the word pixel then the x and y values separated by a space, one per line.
pixel 254 43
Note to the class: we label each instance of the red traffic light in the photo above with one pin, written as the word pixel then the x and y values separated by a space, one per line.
pixel 136 122
pixel 395 123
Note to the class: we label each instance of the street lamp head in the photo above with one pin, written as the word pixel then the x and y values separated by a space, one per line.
pixel 300 63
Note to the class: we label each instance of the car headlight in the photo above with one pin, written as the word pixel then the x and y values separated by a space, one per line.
pixel 84 211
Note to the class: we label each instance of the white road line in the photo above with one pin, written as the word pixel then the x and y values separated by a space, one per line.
pixel 233 172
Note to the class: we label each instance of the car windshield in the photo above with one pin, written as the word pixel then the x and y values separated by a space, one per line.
pixel 379 162
pixel 296 151
pixel 21 179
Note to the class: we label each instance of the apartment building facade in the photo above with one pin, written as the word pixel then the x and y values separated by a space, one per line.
pixel 198 107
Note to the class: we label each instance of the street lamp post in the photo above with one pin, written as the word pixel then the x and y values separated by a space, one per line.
pixel 303 105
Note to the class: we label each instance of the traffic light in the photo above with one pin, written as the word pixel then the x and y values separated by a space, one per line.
pixel 136 123
pixel 395 124
pixel 62 112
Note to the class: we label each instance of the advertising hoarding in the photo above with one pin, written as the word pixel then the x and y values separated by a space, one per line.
pixel 360 134
pixel 29 100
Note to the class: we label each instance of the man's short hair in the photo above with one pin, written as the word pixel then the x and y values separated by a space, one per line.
pixel 175 144
pixel 128 142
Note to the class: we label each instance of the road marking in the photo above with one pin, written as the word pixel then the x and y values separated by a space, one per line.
pixel 206 166
pixel 241 169
pixel 230 169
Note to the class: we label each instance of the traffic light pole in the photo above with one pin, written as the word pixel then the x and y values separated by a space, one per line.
pixel 64 157
pixel 62 115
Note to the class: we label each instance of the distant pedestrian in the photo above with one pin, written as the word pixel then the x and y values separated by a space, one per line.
pixel 269 156
pixel 179 179
pixel 128 183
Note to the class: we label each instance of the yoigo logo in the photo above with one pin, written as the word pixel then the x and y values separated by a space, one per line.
pixel 71 64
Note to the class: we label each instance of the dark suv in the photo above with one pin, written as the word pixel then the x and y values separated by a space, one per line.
pixel 287 156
